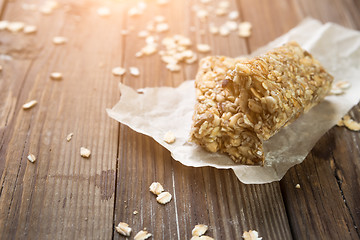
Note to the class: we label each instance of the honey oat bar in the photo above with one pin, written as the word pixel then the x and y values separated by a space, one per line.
pixel 241 103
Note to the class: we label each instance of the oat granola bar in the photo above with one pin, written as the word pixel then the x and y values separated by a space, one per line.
pixel 241 103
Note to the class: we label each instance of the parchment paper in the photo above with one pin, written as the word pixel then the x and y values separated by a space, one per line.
pixel 163 109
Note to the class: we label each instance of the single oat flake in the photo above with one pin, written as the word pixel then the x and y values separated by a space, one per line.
pixel 343 85
pixel 164 197
pixel 29 105
pixel 203 48
pixel 4 24
pixel 245 29
pixel 233 15
pixel 58 40
pixel 156 188
pixel 251 235
pixel 162 2
pixel 103 11
pixel 199 230
pixel 84 152
pixel 297 186
pixel 169 137
pixel 142 235
pixel 56 76
pixel 29 29
pixel 123 229
pixel 69 137
pixel 134 71
pixel 118 71
pixel 349 123
pixel 15 26
pixel 31 157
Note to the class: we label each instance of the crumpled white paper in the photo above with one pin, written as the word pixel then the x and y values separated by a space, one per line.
pixel 163 109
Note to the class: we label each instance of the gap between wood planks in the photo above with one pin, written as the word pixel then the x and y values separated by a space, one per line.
pixel 339 182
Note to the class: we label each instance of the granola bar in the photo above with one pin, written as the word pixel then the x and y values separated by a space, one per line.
pixel 241 103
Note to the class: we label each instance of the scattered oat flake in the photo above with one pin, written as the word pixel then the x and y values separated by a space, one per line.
pixel 15 26
pixel 251 235
pixel 343 85
pixel 150 40
pixel 169 137
pixel 245 29
pixel 103 11
pixel 202 14
pixel 29 105
pixel 213 29
pixel 3 24
pixel 199 230
pixel 224 30
pixel 224 4
pixel 28 29
pixel 118 71
pixel 139 54
pixel 123 229
pixel 46 10
pixel 220 11
pixel 233 15
pixel 156 188
pixel 31 157
pixel 135 212
pixel 58 40
pixel 336 91
pixel 162 2
pixel 349 123
pixel 149 49
pixel 159 18
pixel 134 11
pixel 161 27
pixel 134 71
pixel 84 152
pixel 164 197
pixel 173 67
pixel 143 34
pixel 203 48
pixel 69 137
pixel 142 235
pixel 56 76
pixel 297 186
pixel 191 60
pixel 48 7
pixel 231 25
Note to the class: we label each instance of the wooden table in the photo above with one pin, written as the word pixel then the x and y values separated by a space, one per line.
pixel 65 196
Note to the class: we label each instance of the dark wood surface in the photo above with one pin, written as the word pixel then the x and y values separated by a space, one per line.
pixel 64 196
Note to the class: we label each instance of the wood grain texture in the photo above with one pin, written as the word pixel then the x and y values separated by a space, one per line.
pixel 201 195
pixel 64 196
pixel 329 177
pixel 61 195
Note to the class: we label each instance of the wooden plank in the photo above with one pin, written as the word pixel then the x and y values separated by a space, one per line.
pixel 200 195
pixel 326 202
pixel 345 13
pixel 269 19
pixel 311 210
pixel 325 205
pixel 61 195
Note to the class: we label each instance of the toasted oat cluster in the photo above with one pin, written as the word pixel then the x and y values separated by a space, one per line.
pixel 241 103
